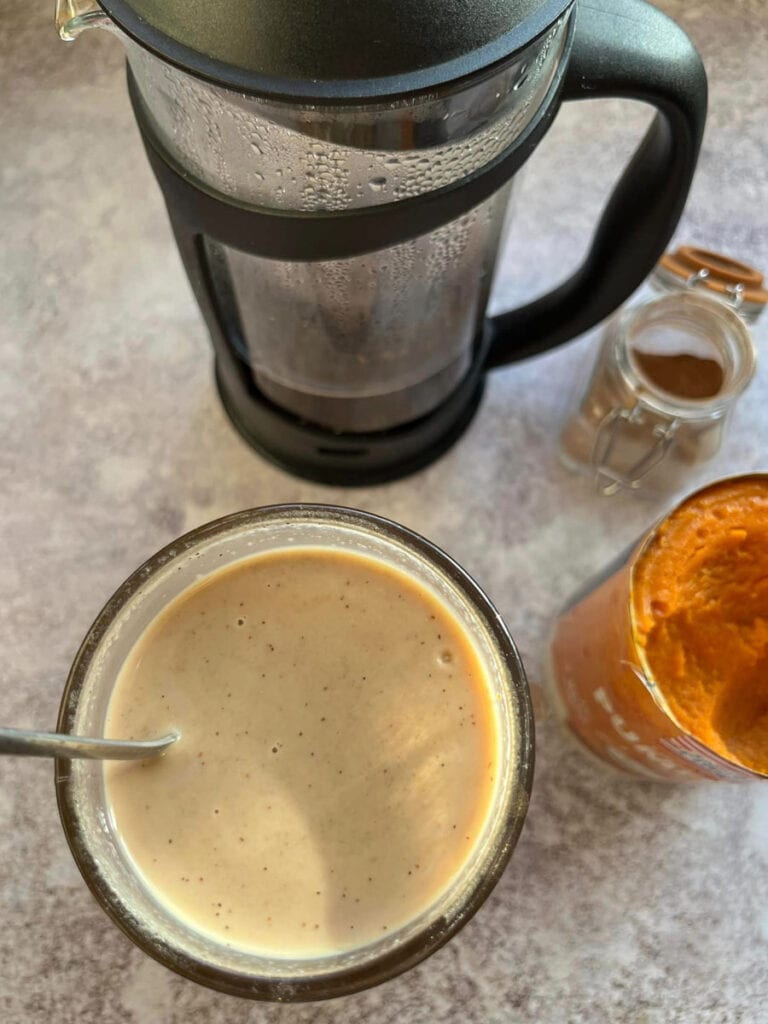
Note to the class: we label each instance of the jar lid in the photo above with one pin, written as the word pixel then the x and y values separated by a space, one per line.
pixel 738 284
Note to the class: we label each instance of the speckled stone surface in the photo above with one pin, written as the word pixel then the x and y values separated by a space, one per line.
pixel 625 902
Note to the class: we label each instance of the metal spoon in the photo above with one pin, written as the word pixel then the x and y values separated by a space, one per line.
pixel 28 743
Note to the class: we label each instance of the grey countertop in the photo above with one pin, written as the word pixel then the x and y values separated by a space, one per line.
pixel 625 901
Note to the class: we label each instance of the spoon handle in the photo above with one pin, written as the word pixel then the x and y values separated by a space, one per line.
pixel 29 743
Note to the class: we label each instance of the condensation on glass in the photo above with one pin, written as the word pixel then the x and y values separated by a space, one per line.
pixel 289 156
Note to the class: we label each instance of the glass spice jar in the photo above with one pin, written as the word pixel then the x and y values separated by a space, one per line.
pixel 667 376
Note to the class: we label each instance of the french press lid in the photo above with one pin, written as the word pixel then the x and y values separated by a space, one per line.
pixel 334 50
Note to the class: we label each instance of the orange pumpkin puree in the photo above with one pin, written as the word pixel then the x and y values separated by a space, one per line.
pixel 700 607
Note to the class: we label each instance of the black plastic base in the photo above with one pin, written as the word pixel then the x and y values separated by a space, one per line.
pixel 346 459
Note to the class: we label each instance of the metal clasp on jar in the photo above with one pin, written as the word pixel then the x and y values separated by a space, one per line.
pixel 610 479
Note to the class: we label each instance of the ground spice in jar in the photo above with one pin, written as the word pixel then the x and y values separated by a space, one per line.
pixel 683 375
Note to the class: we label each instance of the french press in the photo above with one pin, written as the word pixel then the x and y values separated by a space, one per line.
pixel 337 175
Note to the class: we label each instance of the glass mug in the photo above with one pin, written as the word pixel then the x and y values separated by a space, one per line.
pixel 85 814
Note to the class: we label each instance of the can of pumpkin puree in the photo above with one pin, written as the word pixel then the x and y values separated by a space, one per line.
pixel 660 665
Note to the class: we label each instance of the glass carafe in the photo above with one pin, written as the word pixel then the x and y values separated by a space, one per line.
pixel 366 342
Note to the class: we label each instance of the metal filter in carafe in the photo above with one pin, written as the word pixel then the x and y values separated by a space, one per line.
pixel 337 177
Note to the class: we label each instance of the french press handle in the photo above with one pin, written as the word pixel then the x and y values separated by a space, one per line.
pixel 625 49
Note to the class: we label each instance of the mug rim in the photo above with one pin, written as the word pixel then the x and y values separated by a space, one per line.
pixel 389 963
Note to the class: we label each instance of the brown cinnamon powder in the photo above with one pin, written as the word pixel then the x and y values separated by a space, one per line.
pixel 683 375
